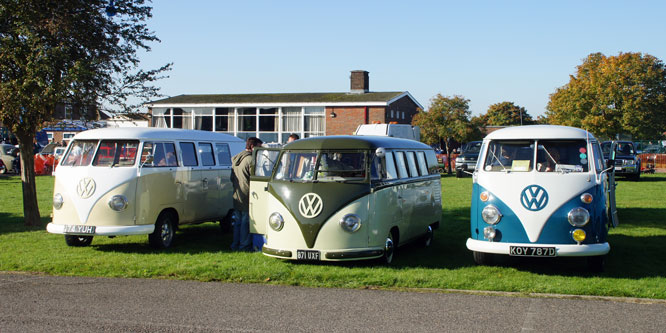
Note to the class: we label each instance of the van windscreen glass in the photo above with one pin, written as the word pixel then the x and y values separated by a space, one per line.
pixel 327 166
pixel 562 156
pixel 509 155
pixel 116 153
pixel 80 153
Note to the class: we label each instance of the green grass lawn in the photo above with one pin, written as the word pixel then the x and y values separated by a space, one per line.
pixel 635 267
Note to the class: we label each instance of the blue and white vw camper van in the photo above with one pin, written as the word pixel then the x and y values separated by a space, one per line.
pixel 542 191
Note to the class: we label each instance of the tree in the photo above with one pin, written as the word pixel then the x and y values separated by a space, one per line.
pixel 507 114
pixel 68 51
pixel 447 119
pixel 613 95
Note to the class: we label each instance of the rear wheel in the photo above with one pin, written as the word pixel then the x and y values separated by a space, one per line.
pixel 164 232
pixel 482 258
pixel 225 222
pixel 459 174
pixel 75 240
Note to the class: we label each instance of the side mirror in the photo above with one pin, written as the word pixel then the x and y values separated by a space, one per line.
pixel 610 163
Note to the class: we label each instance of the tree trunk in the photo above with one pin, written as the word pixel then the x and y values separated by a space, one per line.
pixel 30 208
pixel 448 157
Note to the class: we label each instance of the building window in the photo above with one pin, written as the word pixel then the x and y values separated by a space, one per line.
pixel 268 124
pixel 224 120
pixel 69 112
pixel 291 122
pixel 314 121
pixel 203 119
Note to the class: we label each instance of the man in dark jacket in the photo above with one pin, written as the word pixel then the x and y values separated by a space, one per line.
pixel 240 178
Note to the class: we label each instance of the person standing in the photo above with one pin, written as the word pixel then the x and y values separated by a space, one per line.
pixel 240 178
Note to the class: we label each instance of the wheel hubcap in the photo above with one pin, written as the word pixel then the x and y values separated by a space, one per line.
pixel 388 249
pixel 166 233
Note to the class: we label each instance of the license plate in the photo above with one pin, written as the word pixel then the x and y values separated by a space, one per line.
pixel 307 255
pixel 531 251
pixel 80 229
pixel 618 168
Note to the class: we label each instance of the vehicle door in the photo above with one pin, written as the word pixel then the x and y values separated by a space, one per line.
pixel 225 188
pixel 158 185
pixel 406 195
pixel 264 160
pixel 611 188
pixel 210 180
pixel 189 178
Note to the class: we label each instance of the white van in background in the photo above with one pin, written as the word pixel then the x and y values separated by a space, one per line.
pixel 132 181
pixel 404 131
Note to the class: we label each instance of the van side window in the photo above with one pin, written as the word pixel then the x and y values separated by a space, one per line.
pixel 223 154
pixel 411 162
pixel 423 167
pixel 188 153
pixel 391 173
pixel 378 168
pixel 206 154
pixel 400 163
pixel 170 158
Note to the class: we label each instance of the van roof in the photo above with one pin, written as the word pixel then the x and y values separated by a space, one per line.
pixel 153 133
pixel 354 142
pixel 540 132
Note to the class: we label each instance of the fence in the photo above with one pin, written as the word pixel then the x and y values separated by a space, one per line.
pixel 656 161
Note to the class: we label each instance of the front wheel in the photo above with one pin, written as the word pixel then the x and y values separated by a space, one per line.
pixel 164 232
pixel 459 174
pixel 482 258
pixel 596 263
pixel 75 240
pixel 389 249
pixel 428 237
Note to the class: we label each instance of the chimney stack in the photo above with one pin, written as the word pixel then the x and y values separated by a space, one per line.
pixel 360 83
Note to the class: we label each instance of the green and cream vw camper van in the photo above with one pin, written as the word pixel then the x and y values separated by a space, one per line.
pixel 345 197
pixel 132 181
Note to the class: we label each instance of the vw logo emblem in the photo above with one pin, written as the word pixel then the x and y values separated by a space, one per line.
pixel 534 198
pixel 310 205
pixel 85 188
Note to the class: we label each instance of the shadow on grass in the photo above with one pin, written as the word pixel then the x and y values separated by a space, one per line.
pixel 203 238
pixel 10 223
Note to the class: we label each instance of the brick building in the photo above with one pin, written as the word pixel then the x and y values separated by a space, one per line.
pixel 273 117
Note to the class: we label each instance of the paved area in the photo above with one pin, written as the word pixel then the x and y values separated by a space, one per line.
pixel 37 303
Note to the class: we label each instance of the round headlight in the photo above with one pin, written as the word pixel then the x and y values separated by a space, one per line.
pixel 350 223
pixel 578 217
pixel 57 201
pixel 491 214
pixel 118 202
pixel 276 221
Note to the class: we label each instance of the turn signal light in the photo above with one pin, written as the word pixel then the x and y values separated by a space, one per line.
pixel 586 198
pixel 579 235
pixel 484 196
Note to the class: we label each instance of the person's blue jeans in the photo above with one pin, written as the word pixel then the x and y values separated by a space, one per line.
pixel 241 228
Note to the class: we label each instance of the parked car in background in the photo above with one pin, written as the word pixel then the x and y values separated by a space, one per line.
pixel 8 155
pixel 627 163
pixel 3 169
pixel 466 161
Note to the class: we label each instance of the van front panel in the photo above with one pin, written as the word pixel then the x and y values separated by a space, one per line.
pixel 86 191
